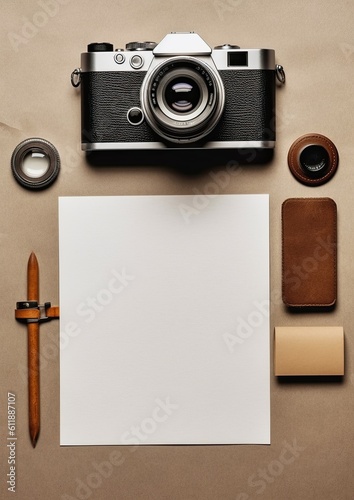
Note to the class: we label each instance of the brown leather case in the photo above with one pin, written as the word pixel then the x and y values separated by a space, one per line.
pixel 309 252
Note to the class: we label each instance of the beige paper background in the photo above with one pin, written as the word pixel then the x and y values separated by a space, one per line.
pixel 315 43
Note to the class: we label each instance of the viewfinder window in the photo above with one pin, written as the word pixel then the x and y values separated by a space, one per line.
pixel 237 58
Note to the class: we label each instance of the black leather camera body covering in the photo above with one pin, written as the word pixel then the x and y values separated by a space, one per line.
pixel 107 96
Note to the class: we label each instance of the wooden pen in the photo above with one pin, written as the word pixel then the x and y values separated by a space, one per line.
pixel 33 352
pixel 32 313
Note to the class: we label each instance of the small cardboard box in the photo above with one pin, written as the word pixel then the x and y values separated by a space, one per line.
pixel 308 350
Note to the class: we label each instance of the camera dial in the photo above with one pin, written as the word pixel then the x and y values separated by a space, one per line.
pixel 100 47
pixel 140 46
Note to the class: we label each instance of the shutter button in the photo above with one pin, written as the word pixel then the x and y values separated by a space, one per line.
pixel 136 62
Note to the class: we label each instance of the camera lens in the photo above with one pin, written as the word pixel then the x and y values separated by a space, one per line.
pixel 182 99
pixel 314 160
pixel 182 95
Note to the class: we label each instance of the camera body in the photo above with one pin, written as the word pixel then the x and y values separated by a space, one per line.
pixel 177 94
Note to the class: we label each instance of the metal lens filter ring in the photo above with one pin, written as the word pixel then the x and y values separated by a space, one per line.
pixel 313 159
pixel 35 163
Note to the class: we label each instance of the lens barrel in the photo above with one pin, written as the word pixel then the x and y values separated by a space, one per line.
pixel 183 99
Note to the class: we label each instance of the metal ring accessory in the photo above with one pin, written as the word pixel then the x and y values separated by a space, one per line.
pixel 42 149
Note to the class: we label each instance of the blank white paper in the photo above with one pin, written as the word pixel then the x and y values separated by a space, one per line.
pixel 164 328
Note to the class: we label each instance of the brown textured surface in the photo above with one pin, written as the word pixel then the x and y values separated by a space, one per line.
pixel 312 452
pixel 309 249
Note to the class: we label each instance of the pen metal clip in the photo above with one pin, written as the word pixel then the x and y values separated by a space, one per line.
pixel 29 311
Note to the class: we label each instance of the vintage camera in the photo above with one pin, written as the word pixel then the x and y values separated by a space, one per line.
pixel 179 93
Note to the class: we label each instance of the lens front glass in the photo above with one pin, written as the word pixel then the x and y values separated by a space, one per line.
pixel 182 94
pixel 314 160
pixel 35 164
